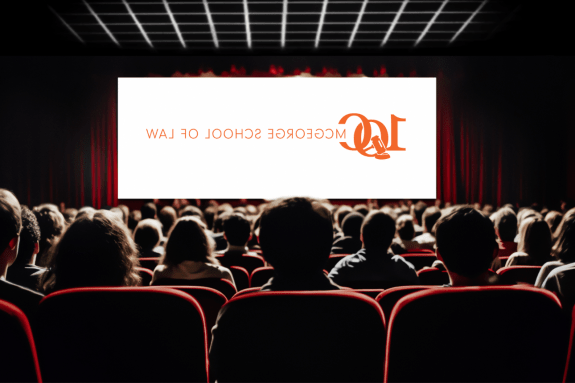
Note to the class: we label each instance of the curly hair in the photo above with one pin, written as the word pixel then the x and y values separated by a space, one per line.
pixel 29 236
pixel 52 224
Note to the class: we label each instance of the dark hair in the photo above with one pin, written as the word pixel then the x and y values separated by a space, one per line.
pixel 210 214
pixel 147 234
pixel 564 247
pixel 10 218
pixel 149 210
pixel 296 235
pixel 237 229
pixel 378 230
pixel 506 224
pixel 191 210
pixel 29 236
pixel 188 241
pixel 466 241
pixel 419 210
pixel 351 225
pixel 70 215
pixel 361 209
pixel 340 213
pixel 219 222
pixel 535 239
pixel 430 217
pixel 167 217
pixel 553 219
pixel 96 250
pixel 133 219
pixel 405 227
pixel 52 225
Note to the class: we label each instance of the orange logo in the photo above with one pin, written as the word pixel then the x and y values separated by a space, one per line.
pixel 362 137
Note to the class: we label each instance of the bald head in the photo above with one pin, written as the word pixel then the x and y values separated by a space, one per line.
pixel 10 218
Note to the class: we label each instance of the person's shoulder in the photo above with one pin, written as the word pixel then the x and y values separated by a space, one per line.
pixel 219 269
pixel 564 269
pixel 12 288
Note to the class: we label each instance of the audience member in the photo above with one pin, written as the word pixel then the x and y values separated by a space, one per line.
pixel 553 219
pixel 70 215
pixel 188 254
pixel 147 236
pixel 296 236
pixel 523 214
pixel 534 247
pixel 23 271
pixel 375 262
pixel 52 225
pixel 505 223
pixel 466 245
pixel 167 217
pixel 237 232
pixel 350 243
pixel 361 208
pixel 218 232
pixel 405 233
pixel 10 227
pixel 133 219
pixel 96 250
pixel 429 218
pixel 417 213
pixel 149 210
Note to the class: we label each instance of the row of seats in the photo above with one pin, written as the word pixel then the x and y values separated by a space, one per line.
pixel 162 334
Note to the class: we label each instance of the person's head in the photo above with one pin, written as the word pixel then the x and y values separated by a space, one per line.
pixel 418 209
pixel 167 217
pixel 192 211
pixel 361 209
pixel 125 213
pixel 535 239
pixel 404 227
pixel 29 239
pixel 10 227
pixel 133 219
pixel 147 234
pixel 340 213
pixel 429 218
pixel 96 250
pixel 465 241
pixel 70 215
pixel 296 235
pixel 553 219
pixel 85 210
pixel 351 225
pixel 219 222
pixel 149 210
pixel 505 222
pixel 188 241
pixel 377 231
pixel 52 225
pixel 210 214
pixel 237 229
pixel 564 247
pixel 526 213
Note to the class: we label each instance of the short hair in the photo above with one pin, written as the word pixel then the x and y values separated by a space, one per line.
pixel 149 210
pixel 377 230
pixel 29 237
pixel 535 239
pixel 340 214
pixel 506 224
pixel 466 241
pixel 361 209
pixel 405 227
pixel 188 241
pixel 219 222
pixel 430 217
pixel 296 235
pixel 133 219
pixel 167 217
pixel 10 218
pixel 96 250
pixel 351 225
pixel 147 234
pixel 237 229
pixel 419 210
pixel 192 210
pixel 564 247
pixel 553 219
pixel 52 225
pixel 210 214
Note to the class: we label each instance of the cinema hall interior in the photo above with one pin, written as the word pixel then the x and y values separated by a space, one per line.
pixel 287 191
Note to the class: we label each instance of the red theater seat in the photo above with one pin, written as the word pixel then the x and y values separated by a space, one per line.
pixel 248 291
pixel 261 276
pixel 570 366
pixel 519 274
pixel 433 277
pixel 372 293
pixel 421 251
pixel 149 263
pixel 299 337
pixel 248 262
pixel 454 335
pixel 103 335
pixel 222 285
pixel 420 260
pixel 241 277
pixel 389 297
pixel 18 360
pixel 146 275
pixel 333 260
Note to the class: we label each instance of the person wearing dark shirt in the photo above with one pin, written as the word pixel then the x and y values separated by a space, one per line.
pixel 350 242
pixel 147 236
pixel 375 262
pixel 23 271
pixel 10 227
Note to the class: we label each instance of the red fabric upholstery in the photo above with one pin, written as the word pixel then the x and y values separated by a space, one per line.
pixel 519 274
pixel 222 285
pixel 390 297
pixel 146 275
pixel 454 334
pixel 248 291
pixel 433 277
pixel 420 260
pixel 248 262
pixel 149 263
pixel 333 260
pixel 18 359
pixel 299 336
pixel 261 276
pixel 241 277
pixel 421 251
pixel 372 293
pixel 96 334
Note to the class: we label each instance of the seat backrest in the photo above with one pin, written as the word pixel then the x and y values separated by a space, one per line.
pixel 420 260
pixel 222 285
pixel 19 362
pixel 421 251
pixel 372 293
pixel 299 336
pixel 241 277
pixel 149 262
pixel 101 334
pixel 372 285
pixel 261 276
pixel 333 260
pixel 388 298
pixel 248 291
pixel 433 277
pixel 454 334
pixel 146 275
pixel 248 262
pixel 519 274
